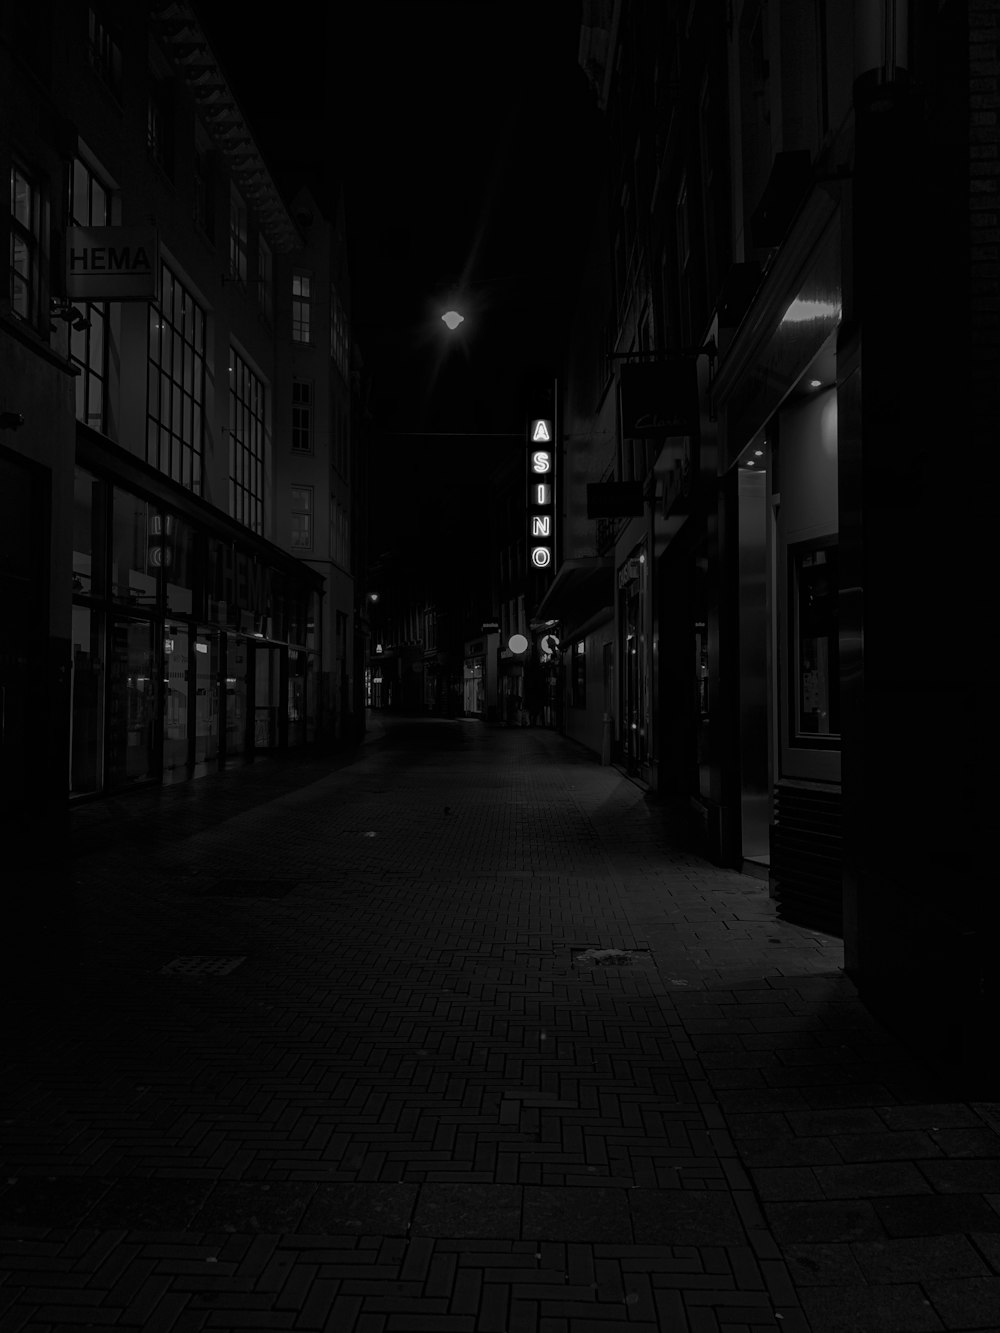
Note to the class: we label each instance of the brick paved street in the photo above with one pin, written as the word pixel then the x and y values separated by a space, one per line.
pixel 449 1038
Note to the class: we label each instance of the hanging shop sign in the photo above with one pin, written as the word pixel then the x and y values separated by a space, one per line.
pixel 659 398
pixel 112 264
pixel 541 492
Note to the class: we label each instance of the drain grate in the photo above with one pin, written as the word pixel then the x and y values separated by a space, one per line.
pixel 202 965
pixel 596 957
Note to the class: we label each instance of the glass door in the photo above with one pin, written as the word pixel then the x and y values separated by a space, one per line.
pixel 267 681
pixel 131 754
pixel 237 670
pixel 176 678
pixel 206 699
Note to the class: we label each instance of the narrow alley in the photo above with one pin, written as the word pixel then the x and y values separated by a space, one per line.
pixel 448 1038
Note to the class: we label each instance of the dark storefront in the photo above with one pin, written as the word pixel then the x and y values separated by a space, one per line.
pixel 195 644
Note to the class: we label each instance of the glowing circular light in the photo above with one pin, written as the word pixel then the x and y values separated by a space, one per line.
pixel 517 643
pixel 758 453
pixel 814 384
pixel 452 318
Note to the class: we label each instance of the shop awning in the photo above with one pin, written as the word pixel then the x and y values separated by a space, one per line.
pixel 582 593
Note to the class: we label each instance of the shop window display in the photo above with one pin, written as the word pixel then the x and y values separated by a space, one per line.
pixel 814 647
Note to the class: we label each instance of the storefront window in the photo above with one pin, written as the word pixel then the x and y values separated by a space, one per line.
pixel 136 547
pixel 296 696
pixel 814 593
pixel 312 696
pixel 87 722
pixel 175 695
pixel 178 543
pixel 237 659
pixel 206 707
pixel 579 668
pixel 267 667
pixel 131 703
pixel 88 534
pixel 473 701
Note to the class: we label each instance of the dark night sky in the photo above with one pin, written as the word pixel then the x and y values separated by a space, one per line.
pixel 462 132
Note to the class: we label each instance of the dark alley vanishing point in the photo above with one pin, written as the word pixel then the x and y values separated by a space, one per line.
pixel 447 1037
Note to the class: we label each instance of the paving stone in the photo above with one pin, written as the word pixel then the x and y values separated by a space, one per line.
pixel 823 1264
pixel 870 1179
pixel 827 1221
pixel 366 1209
pixel 857 1309
pixel 253 1207
pixel 150 1205
pixel 468 1211
pixel 685 1217
pixel 35 1201
pixel 963 1177
pixel 918 1258
pixel 936 1214
pixel 889 1146
pixel 595 1215
pixel 970 1303
pixel 966 1142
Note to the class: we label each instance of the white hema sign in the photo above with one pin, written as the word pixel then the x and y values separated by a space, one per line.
pixel 111 264
pixel 541 492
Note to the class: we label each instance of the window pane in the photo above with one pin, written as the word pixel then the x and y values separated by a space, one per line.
pixel 133 577
pixel 131 703
pixel 815 644
pixel 87 724
pixel 175 695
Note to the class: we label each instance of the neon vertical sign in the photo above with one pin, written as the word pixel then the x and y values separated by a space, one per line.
pixel 541 492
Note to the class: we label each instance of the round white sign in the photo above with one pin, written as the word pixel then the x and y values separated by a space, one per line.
pixel 517 643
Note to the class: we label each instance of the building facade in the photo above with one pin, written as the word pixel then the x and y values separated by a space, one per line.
pixel 793 214
pixel 156 494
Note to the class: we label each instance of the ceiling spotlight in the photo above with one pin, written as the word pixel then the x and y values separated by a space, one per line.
pixel 758 453
pixel 814 384
pixel 452 318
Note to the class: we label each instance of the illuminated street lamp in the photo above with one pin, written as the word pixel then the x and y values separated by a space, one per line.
pixel 452 318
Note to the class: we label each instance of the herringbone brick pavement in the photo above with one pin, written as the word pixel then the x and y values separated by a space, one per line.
pixel 452 1038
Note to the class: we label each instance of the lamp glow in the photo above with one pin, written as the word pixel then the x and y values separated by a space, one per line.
pixel 452 318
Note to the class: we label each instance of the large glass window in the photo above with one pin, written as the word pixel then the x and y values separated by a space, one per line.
pixel 238 240
pixel 131 703
pixel 247 443
pixel 265 279
pixel 90 206
pixel 105 53
pixel 237 659
pixel 175 397
pixel 302 436
pixel 206 707
pixel 178 560
pixel 134 541
pixel 301 307
pixel 176 676
pixel 302 517
pixel 25 245
pixel 814 647
pixel 89 512
pixel 87 717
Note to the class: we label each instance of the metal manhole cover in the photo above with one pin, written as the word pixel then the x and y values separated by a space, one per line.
pixel 609 958
pixel 249 888
pixel 202 965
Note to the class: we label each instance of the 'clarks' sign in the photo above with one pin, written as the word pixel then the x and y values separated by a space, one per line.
pixel 111 264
